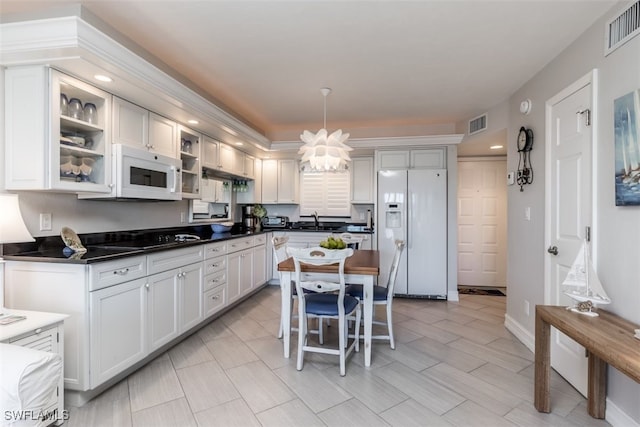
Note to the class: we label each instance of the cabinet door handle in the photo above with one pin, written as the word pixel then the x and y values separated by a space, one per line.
pixel 215 297
pixel 214 265
pixel 37 331
pixel 121 272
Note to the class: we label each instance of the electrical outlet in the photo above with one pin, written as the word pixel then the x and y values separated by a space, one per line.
pixel 183 217
pixel 527 213
pixel 45 221
pixel 526 307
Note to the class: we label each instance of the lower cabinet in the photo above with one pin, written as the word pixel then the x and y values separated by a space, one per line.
pixel 121 311
pixel 239 274
pixel 162 308
pixel 118 328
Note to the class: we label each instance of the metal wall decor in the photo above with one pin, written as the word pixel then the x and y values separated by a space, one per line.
pixel 525 170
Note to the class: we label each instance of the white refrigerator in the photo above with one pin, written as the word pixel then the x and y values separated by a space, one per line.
pixel 412 206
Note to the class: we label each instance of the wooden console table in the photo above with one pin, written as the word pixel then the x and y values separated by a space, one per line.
pixel 608 340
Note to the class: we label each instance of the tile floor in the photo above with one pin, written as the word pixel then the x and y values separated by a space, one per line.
pixel 454 365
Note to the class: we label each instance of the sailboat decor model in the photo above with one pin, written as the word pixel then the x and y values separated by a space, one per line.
pixel 582 284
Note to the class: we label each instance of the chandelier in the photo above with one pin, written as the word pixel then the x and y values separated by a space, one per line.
pixel 324 152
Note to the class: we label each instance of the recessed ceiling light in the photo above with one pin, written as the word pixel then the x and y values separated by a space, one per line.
pixel 103 78
pixel 193 121
pixel 239 143
pixel 495 147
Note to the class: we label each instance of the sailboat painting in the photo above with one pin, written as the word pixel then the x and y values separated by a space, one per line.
pixel 627 147
pixel 582 284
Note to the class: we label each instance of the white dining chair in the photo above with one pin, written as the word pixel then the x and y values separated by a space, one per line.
pixel 329 299
pixel 383 295
pixel 279 244
pixel 352 240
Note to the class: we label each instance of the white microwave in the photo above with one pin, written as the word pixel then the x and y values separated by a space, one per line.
pixel 140 174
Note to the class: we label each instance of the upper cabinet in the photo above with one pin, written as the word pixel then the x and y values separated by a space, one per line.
pixel 254 188
pixel 227 158
pixel 57 134
pixel 209 152
pixel 190 156
pixel 138 127
pixel 362 179
pixel 280 181
pixel 428 158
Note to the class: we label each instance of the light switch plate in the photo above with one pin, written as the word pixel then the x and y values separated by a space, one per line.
pixel 45 222
pixel 511 178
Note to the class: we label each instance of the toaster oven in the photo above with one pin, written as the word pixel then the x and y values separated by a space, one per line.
pixel 275 221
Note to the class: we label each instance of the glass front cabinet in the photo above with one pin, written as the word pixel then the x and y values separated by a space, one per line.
pixel 57 132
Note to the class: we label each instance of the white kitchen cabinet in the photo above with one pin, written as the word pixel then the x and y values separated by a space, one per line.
pixel 427 158
pixel 138 127
pixel 215 278
pixel 243 165
pixel 190 292
pixel 214 300
pixel 215 191
pixel 162 308
pixel 190 157
pixel 227 159
pixel 46 149
pixel 209 152
pixel 233 277
pixel 162 135
pixel 254 188
pixel 433 158
pixel 280 181
pixel 118 328
pixel 130 124
pixel 362 180
pixel 259 264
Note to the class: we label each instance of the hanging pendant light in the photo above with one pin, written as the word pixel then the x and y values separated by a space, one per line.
pixel 324 152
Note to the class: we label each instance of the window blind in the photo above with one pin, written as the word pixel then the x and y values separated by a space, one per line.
pixel 328 193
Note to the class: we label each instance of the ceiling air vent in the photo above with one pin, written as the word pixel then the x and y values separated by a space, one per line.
pixel 622 27
pixel 478 124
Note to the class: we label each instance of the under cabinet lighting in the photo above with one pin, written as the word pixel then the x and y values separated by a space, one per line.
pixel 495 147
pixel 103 78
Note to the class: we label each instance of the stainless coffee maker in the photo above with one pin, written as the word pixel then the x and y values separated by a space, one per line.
pixel 248 219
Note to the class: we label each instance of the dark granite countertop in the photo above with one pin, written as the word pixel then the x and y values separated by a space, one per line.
pixel 113 245
pixel 120 244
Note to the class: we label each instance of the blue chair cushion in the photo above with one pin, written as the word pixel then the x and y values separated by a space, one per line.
pixel 327 304
pixel 379 292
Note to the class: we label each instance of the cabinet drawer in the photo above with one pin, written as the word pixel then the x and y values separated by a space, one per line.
pixel 215 279
pixel 105 274
pixel 215 265
pixel 214 300
pixel 167 260
pixel 213 250
pixel 260 239
pixel 236 245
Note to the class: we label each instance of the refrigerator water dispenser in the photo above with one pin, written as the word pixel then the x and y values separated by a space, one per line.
pixel 393 216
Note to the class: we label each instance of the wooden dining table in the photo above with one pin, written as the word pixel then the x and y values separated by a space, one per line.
pixel 360 268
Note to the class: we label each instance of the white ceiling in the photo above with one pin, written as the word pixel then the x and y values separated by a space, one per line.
pixel 398 65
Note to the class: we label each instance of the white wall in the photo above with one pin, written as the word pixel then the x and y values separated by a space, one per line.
pixel 616 229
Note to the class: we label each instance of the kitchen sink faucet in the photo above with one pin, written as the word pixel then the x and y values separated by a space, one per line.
pixel 315 218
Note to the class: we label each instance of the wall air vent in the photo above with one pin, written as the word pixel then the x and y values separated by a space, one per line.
pixel 622 27
pixel 478 124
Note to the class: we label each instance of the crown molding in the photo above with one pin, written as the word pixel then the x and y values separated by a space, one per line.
pixel 400 142
pixel 59 40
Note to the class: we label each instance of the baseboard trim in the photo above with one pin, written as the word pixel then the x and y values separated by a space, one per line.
pixel 525 337
pixel 614 415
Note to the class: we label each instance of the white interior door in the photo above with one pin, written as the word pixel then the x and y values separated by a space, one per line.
pixel 568 209
pixel 482 222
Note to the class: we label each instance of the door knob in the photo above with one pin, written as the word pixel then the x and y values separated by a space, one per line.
pixel 553 250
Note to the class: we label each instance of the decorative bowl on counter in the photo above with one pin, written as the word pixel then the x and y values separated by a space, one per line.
pixel 221 227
